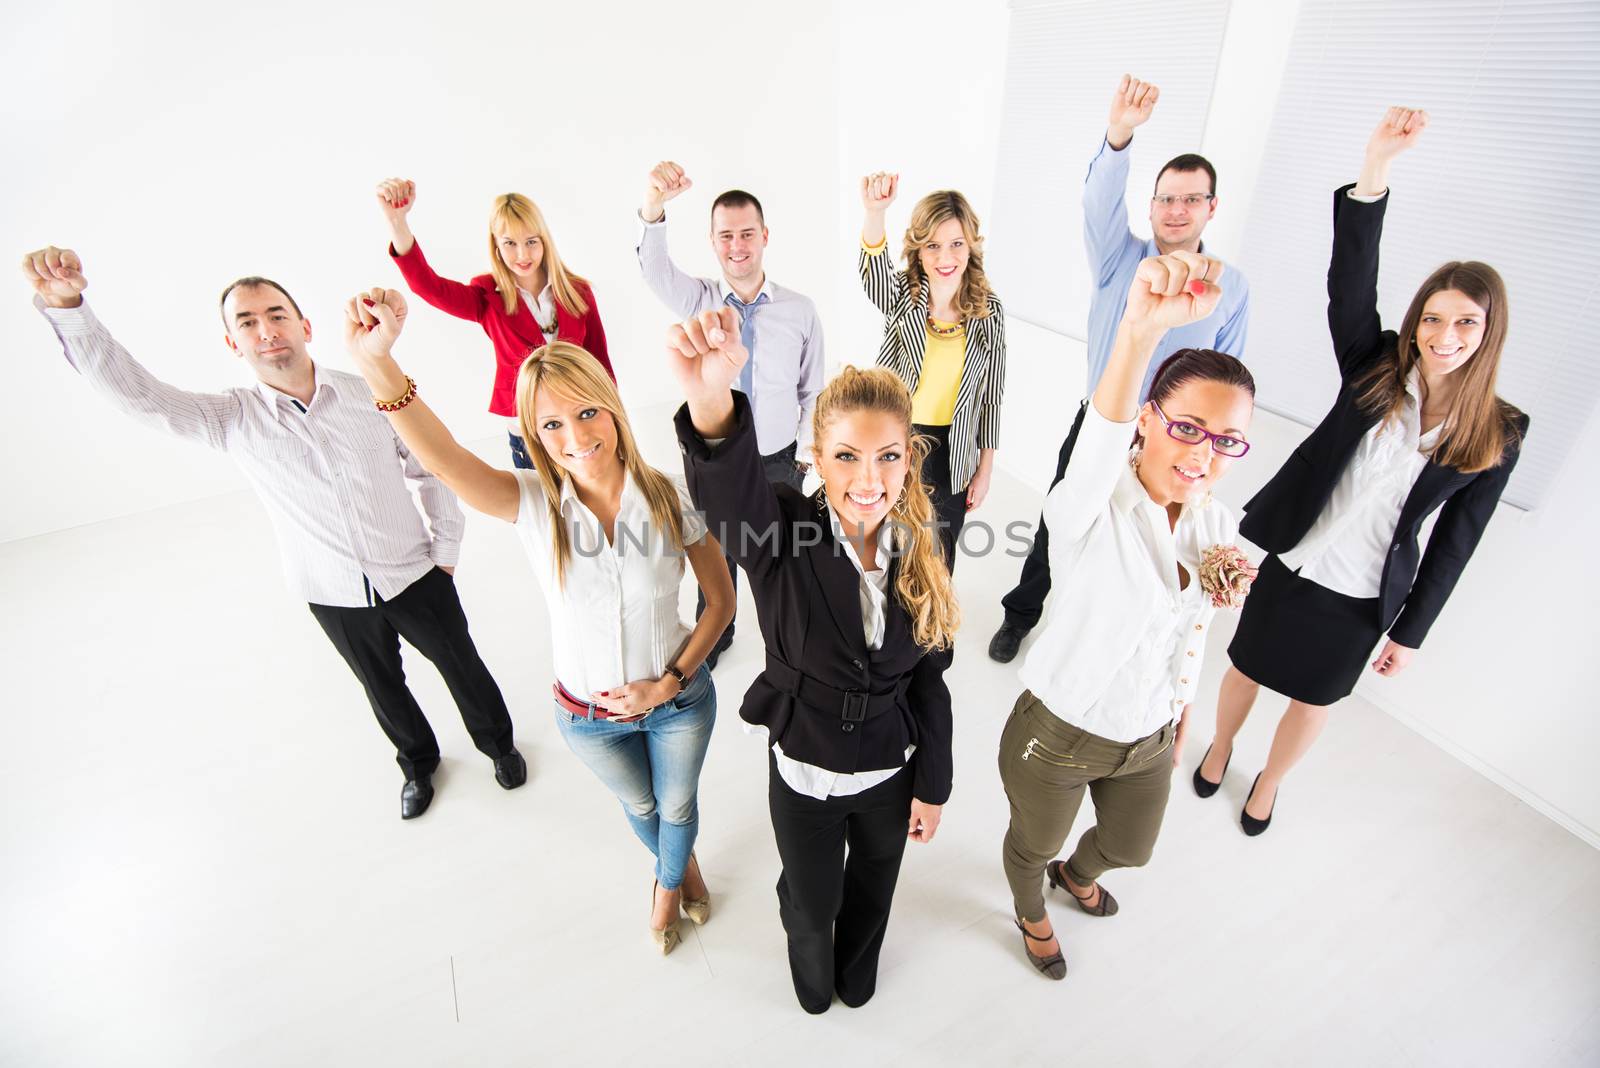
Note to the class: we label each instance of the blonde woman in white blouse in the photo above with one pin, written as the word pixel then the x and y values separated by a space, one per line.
pixel 607 535
pixel 1133 539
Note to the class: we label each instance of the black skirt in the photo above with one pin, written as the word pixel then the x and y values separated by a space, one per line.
pixel 1303 640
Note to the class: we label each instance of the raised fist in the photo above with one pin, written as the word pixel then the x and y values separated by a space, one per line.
pixel 395 197
pixel 373 321
pixel 705 352
pixel 878 190
pixel 1399 130
pixel 56 275
pixel 1169 291
pixel 665 182
pixel 1131 104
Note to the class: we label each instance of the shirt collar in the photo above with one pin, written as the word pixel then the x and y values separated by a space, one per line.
pixel 724 290
pixel 1129 493
pixel 569 495
pixel 278 402
pixel 885 542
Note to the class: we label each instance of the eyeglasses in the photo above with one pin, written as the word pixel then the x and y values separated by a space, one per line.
pixel 1190 434
pixel 1188 200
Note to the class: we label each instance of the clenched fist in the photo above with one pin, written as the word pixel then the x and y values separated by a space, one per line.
pixel 1399 130
pixel 56 275
pixel 373 321
pixel 395 197
pixel 705 352
pixel 1131 106
pixel 1169 291
pixel 666 181
pixel 878 191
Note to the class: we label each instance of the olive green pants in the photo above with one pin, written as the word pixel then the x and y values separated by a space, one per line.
pixel 1046 764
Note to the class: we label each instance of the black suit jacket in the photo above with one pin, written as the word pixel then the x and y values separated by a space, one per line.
pixel 808 601
pixel 1415 584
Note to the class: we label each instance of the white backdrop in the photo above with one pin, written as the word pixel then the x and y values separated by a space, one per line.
pixel 178 146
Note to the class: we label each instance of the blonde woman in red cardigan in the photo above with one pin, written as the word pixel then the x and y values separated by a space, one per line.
pixel 528 299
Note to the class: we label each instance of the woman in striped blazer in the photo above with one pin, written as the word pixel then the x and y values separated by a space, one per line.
pixel 944 334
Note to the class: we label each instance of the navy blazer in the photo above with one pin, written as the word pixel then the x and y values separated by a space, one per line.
pixel 807 594
pixel 1415 584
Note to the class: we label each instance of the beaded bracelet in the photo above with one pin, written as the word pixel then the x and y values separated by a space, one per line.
pixel 404 399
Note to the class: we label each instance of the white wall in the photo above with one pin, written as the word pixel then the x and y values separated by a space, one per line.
pixel 178 146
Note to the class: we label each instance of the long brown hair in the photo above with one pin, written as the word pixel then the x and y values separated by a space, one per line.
pixel 514 208
pixel 923 586
pixel 569 371
pixel 1479 426
pixel 972 299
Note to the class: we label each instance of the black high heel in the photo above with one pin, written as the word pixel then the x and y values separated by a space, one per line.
pixel 1204 786
pixel 1054 966
pixel 1251 825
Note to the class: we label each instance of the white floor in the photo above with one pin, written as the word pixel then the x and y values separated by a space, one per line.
pixel 204 865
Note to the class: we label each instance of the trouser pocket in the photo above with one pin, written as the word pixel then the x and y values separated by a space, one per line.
pixel 1037 750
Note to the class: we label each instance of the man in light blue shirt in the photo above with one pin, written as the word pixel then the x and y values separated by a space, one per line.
pixel 1184 201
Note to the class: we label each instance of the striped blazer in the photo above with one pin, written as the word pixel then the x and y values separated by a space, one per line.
pixel 983 375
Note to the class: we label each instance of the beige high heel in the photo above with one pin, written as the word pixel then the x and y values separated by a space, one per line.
pixel 667 938
pixel 698 909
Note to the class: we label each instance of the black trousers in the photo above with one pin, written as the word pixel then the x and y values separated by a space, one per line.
pixel 1024 605
pixel 841 859
pixel 949 504
pixel 781 470
pixel 427 614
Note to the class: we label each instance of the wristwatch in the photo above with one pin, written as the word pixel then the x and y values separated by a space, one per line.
pixel 683 682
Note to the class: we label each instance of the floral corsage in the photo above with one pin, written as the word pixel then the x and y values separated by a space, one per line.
pixel 1226 575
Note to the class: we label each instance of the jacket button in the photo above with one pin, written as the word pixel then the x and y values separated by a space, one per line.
pixel 857 663
pixel 1395 549
pixel 848 727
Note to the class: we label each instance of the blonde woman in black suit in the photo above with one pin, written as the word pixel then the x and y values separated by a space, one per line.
pixel 944 335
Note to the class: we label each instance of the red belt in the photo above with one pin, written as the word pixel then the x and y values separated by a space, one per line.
pixel 585 709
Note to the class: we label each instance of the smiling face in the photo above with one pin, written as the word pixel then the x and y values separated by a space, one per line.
pixel 265 330
pixel 579 437
pixel 1174 471
pixel 863 458
pixel 944 255
pixel 1449 332
pixel 522 251
pixel 1179 210
pixel 739 239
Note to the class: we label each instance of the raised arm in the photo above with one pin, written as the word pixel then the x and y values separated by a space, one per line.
pixel 1358 212
pixel 879 280
pixel 56 277
pixel 1105 207
pixel 682 293
pixel 396 196
pixel 373 321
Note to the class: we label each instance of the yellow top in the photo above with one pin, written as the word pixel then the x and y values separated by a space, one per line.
pixel 943 356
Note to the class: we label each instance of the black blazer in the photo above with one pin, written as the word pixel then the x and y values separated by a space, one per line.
pixel 1415 585
pixel 826 698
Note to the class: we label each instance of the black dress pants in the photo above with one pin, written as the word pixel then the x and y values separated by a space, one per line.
pixel 841 859
pixel 949 504
pixel 427 614
pixel 781 470
pixel 1024 605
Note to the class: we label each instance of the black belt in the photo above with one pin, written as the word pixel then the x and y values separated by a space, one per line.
pixel 854 706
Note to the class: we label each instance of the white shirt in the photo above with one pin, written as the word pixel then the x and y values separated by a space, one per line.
pixel 820 783
pixel 1123 644
pixel 1346 548
pixel 615 620
pixel 543 308
pixel 331 475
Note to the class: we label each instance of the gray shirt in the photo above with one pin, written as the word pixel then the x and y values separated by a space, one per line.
pixel 786 357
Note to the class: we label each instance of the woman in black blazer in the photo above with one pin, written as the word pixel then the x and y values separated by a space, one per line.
pixel 852 595
pixel 1416 426
pixel 944 335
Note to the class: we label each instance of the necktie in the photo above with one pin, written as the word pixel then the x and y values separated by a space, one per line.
pixel 747 338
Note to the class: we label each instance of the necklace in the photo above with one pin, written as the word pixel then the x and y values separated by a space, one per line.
pixel 944 331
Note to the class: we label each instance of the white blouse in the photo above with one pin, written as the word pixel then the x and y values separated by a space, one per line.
pixel 809 779
pixel 543 308
pixel 1123 644
pixel 1346 548
pixel 616 618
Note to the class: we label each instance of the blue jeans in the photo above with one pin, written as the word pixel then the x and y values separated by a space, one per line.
pixel 653 766
pixel 519 452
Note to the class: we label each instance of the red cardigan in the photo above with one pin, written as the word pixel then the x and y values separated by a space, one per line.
pixel 514 336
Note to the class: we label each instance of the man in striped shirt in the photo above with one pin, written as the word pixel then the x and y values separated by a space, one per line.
pixel 332 476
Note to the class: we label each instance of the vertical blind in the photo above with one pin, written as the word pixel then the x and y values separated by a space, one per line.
pixel 1508 172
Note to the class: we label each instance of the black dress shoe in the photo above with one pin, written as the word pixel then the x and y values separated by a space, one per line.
pixel 415 797
pixel 1006 641
pixel 1204 786
pixel 1251 825
pixel 510 771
